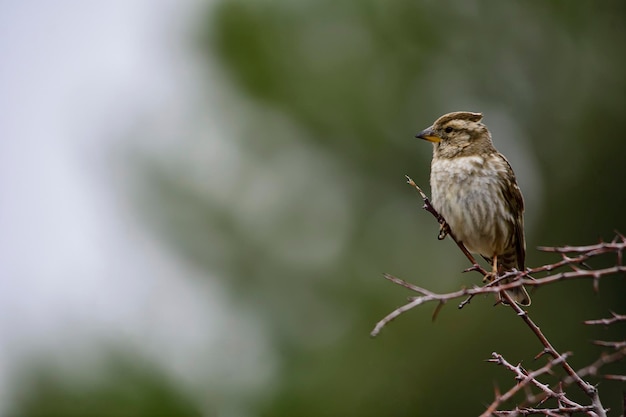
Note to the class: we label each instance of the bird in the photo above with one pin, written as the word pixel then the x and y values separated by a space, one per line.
pixel 474 189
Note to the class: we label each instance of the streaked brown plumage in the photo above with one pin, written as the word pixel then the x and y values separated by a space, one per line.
pixel 474 188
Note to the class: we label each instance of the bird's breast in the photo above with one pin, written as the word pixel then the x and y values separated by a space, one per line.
pixel 467 192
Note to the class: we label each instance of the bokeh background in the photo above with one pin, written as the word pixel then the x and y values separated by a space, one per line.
pixel 199 198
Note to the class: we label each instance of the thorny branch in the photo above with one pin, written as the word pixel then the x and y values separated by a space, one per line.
pixel 573 257
pixel 542 396
pixel 525 378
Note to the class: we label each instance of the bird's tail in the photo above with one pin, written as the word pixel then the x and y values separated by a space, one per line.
pixel 518 294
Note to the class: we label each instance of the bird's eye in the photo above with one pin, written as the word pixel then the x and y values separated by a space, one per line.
pixel 448 129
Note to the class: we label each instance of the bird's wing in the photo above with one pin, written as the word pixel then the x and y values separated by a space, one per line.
pixel 515 201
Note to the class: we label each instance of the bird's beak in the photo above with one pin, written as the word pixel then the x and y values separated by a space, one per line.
pixel 429 135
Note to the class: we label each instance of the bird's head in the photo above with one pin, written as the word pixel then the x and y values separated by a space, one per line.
pixel 458 134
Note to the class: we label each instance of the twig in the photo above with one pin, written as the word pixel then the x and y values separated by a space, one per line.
pixel 553 412
pixel 601 247
pixel 525 378
pixel 604 359
pixel 607 322
pixel 591 369
pixel 492 287
pixel 442 222
pixel 587 388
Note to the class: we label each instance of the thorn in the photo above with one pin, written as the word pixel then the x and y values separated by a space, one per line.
pixel 465 302
pixel 541 354
pixel 496 390
pixel 438 309
pixel 543 400
pixel 560 387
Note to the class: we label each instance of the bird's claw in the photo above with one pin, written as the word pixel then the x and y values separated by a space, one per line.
pixel 444 229
pixel 490 276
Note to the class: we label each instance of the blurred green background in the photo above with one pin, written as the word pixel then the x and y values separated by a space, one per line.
pixel 285 187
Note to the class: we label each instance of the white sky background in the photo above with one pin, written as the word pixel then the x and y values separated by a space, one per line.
pixel 74 261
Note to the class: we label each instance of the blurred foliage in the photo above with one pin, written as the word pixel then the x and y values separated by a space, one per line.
pixel 324 98
pixel 359 78
pixel 124 386
pixel 338 90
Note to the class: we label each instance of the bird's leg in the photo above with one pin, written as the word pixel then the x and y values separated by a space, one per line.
pixel 494 270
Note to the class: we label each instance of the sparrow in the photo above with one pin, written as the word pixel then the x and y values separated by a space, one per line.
pixel 474 189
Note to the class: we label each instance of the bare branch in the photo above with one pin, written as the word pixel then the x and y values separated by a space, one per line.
pixel 573 257
pixel 602 247
pixel 607 322
pixel 496 286
pixel 594 368
pixel 614 345
pixel 553 412
pixel 525 378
